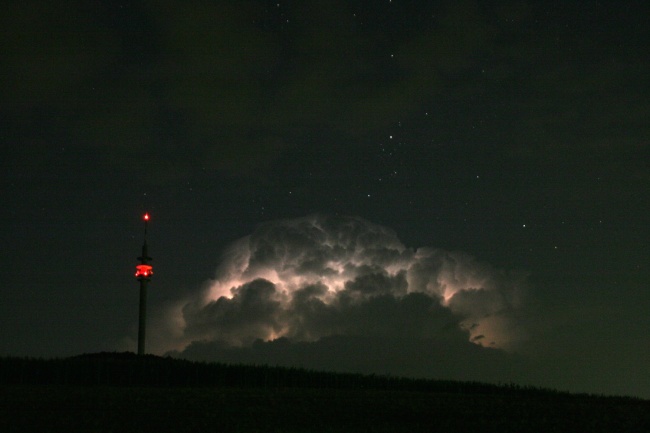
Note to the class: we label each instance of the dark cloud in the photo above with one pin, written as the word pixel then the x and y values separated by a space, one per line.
pixel 312 278
pixel 428 358
pixel 253 310
pixel 181 86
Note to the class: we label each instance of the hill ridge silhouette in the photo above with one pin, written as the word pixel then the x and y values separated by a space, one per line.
pixel 130 369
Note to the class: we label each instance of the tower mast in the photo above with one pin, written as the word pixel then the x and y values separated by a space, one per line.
pixel 143 273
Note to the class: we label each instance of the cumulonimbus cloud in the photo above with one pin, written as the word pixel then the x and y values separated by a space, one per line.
pixel 320 276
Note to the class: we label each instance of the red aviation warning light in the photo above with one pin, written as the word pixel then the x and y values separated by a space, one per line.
pixel 143 271
pixel 146 217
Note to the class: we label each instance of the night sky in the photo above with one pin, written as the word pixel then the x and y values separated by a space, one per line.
pixel 444 189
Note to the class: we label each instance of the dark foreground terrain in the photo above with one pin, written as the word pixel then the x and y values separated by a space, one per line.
pixel 125 393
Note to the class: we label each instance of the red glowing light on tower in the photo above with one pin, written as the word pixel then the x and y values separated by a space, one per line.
pixel 143 271
pixel 146 216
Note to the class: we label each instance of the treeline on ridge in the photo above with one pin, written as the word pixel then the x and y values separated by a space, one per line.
pixel 128 369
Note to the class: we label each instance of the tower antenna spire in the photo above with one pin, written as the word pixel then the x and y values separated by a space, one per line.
pixel 146 221
pixel 143 272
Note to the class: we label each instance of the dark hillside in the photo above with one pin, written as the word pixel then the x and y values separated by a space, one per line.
pixel 123 392
pixel 128 369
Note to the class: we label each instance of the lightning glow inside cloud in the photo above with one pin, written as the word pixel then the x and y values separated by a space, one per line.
pixel 321 276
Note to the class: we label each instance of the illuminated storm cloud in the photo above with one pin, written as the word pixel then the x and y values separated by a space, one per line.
pixel 320 276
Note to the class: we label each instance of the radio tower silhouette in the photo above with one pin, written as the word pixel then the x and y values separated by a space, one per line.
pixel 143 273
